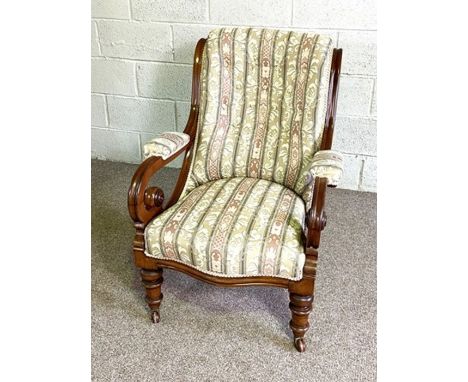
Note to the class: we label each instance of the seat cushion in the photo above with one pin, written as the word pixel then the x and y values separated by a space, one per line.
pixel 233 227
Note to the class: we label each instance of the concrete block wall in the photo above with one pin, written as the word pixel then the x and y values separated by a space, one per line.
pixel 142 54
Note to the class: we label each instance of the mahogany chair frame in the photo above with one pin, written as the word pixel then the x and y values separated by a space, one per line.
pixel 145 203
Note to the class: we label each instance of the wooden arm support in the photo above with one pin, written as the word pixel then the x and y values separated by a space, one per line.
pixel 316 217
pixel 144 203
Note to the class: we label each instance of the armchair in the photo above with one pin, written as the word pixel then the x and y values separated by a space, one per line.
pixel 248 205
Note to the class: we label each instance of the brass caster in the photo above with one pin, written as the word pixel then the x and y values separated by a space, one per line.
pixel 300 345
pixel 155 317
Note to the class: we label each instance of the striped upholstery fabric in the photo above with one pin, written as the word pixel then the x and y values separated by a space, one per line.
pixel 263 104
pixel 262 113
pixel 165 144
pixel 233 227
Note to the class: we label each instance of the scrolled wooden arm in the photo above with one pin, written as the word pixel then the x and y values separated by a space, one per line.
pixel 154 197
pixel 316 217
pixel 144 203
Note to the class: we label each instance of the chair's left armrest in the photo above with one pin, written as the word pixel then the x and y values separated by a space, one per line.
pixel 327 169
pixel 166 144
pixel 145 203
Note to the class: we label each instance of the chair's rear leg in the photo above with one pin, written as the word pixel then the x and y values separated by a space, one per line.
pixel 152 280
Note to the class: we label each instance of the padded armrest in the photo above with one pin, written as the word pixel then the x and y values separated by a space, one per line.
pixel 327 164
pixel 165 144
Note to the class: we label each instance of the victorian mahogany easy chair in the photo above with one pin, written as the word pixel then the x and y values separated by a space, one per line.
pixel 248 206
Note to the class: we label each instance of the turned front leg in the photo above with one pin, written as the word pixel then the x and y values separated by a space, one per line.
pixel 300 306
pixel 301 296
pixel 152 280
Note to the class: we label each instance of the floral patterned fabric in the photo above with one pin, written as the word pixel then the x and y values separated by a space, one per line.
pixel 165 144
pixel 233 227
pixel 263 104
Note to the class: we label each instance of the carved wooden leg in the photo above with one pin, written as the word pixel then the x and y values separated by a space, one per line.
pixel 301 295
pixel 300 307
pixel 152 280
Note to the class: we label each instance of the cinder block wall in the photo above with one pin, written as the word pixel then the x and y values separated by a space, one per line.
pixel 141 69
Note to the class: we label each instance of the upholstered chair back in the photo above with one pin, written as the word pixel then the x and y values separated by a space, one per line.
pixel 262 106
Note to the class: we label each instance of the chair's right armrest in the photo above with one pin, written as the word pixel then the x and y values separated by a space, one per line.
pixel 145 203
pixel 326 169
pixel 328 164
